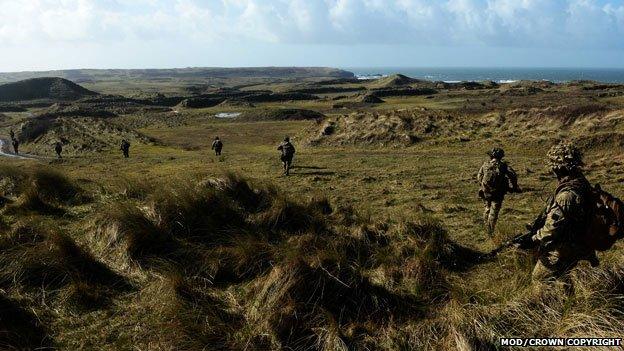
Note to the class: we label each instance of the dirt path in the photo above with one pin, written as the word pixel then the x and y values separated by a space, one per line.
pixel 6 152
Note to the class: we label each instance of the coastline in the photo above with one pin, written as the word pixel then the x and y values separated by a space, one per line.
pixel 498 75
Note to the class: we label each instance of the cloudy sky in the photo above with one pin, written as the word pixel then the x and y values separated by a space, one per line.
pixel 61 34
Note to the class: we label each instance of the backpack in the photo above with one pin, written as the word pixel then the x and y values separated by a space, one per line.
pixel 494 179
pixel 288 149
pixel 604 227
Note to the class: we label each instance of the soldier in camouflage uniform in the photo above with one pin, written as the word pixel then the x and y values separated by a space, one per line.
pixel 496 179
pixel 567 217
pixel 287 150
pixel 217 146
pixel 58 148
pixel 125 148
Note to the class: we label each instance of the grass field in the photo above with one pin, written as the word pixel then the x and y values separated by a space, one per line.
pixel 421 199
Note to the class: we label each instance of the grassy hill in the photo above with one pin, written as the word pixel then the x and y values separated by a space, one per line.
pixel 47 88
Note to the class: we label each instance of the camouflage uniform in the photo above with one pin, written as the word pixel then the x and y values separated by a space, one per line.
pixel 493 198
pixel 58 148
pixel 567 218
pixel 287 153
pixel 217 146
pixel 16 146
pixel 125 148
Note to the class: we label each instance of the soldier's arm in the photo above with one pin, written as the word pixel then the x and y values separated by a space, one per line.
pixel 513 177
pixel 480 174
pixel 560 218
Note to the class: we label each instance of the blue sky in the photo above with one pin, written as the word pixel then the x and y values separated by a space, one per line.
pixel 62 34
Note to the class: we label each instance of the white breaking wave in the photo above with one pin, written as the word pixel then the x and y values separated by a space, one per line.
pixel 370 76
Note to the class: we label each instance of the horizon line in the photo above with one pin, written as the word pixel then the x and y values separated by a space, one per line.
pixel 331 67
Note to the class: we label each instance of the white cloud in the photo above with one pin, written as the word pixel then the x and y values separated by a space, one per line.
pixel 511 23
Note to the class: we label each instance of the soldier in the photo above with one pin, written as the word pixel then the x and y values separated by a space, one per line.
pixel 16 146
pixel 125 148
pixel 496 179
pixel 567 217
pixel 217 146
pixel 12 133
pixel 288 152
pixel 58 148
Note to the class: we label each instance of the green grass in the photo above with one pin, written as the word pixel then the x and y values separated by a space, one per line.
pixel 387 228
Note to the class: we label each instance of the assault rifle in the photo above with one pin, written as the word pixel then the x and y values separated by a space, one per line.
pixel 522 241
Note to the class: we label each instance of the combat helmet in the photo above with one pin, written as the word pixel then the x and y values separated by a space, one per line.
pixel 496 153
pixel 565 156
pixel 286 138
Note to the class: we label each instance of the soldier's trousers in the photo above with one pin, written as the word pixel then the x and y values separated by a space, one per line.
pixel 287 163
pixel 490 214
pixel 551 266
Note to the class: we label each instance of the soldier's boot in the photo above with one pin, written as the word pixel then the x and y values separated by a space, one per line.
pixel 593 260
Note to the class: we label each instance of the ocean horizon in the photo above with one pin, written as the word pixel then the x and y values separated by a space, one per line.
pixel 499 75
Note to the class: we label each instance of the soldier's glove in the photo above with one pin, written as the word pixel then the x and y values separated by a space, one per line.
pixel 526 243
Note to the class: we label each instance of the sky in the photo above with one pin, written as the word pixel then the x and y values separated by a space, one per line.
pixel 66 34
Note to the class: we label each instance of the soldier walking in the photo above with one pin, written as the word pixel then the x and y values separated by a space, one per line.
pixel 496 179
pixel 58 148
pixel 217 146
pixel 287 153
pixel 125 148
pixel 567 217
pixel 16 145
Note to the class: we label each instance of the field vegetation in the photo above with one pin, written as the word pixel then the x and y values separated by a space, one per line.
pixel 373 243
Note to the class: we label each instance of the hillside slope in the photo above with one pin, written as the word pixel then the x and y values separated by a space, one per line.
pixel 43 88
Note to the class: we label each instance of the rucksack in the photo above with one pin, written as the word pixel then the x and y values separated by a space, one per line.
pixel 604 227
pixel 493 177
pixel 288 149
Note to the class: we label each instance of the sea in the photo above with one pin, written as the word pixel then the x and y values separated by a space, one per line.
pixel 499 75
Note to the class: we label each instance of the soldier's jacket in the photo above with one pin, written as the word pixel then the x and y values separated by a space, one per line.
pixel 217 144
pixel 507 172
pixel 287 149
pixel 567 218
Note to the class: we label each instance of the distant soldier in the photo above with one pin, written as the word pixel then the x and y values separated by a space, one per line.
pixel 16 145
pixel 496 179
pixel 58 148
pixel 567 217
pixel 12 133
pixel 217 146
pixel 125 148
pixel 287 153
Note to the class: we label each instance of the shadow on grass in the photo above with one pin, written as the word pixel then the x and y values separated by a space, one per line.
pixel 20 329
pixel 315 173
pixel 307 167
